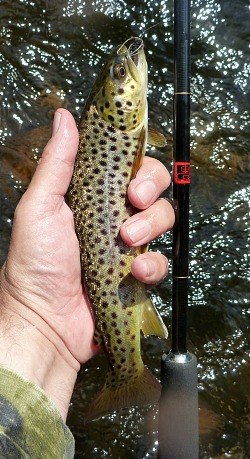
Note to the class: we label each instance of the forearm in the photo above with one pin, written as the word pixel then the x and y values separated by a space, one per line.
pixel 30 424
pixel 32 349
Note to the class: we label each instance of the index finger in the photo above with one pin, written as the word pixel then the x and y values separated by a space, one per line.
pixel 151 180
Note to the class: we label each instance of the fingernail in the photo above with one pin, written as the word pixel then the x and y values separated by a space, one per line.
pixel 56 122
pixel 145 191
pixel 138 230
pixel 147 268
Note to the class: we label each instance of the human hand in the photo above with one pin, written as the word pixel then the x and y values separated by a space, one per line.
pixel 41 286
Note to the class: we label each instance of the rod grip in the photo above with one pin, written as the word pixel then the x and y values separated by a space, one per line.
pixel 178 414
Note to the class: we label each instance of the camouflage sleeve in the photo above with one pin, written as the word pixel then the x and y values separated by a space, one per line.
pixel 30 424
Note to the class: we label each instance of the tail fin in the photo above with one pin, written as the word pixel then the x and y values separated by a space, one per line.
pixel 144 390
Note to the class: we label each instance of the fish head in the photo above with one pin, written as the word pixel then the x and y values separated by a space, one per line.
pixel 121 89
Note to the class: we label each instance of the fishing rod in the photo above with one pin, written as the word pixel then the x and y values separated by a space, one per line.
pixel 178 412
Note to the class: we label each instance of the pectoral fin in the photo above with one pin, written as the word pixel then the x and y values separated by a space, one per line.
pixel 140 153
pixel 156 138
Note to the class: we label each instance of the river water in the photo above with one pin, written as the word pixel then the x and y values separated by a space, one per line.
pixel 50 53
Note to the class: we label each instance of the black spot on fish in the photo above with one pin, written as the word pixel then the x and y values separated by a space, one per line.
pixel 111 118
pixel 118 104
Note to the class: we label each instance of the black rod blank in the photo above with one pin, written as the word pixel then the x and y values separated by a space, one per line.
pixel 178 414
pixel 181 174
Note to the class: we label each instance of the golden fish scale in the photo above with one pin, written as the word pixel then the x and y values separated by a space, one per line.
pixel 97 197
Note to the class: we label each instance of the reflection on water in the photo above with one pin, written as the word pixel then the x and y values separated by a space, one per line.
pixel 49 55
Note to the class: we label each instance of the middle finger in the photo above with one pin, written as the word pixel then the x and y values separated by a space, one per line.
pixel 148 224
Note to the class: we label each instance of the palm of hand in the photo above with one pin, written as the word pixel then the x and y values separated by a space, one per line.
pixel 43 270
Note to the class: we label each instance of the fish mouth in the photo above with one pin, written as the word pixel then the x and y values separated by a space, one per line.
pixel 135 48
pixel 136 59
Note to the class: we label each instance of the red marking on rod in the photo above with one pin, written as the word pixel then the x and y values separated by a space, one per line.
pixel 182 173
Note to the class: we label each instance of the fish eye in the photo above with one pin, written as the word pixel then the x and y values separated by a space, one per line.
pixel 119 71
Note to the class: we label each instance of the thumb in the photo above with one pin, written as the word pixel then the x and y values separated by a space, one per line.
pixel 55 168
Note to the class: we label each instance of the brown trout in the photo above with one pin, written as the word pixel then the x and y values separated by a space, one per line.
pixel 113 135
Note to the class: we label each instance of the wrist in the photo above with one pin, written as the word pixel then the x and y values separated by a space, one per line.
pixel 30 347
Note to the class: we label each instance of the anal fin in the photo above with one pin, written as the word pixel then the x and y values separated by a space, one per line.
pixel 151 321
